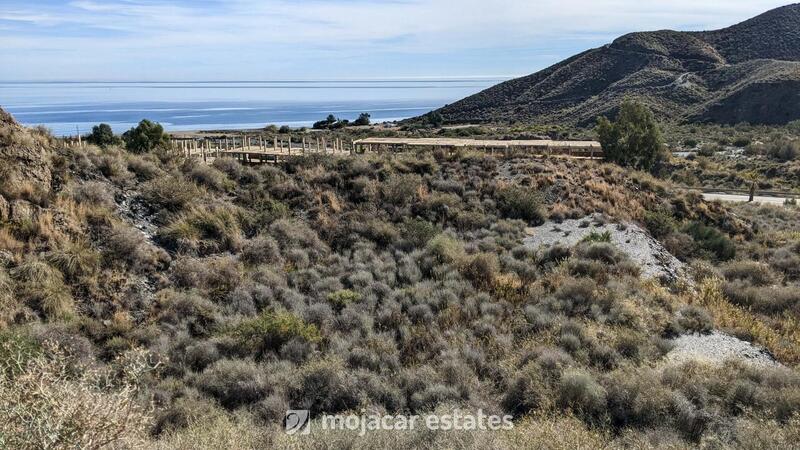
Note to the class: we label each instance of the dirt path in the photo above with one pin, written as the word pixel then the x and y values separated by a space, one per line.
pixel 737 198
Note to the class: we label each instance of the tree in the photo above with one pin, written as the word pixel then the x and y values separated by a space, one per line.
pixel 634 139
pixel 434 119
pixel 145 137
pixel 327 123
pixel 363 119
pixel 285 129
pixel 102 136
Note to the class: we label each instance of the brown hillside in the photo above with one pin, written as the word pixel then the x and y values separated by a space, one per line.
pixel 727 76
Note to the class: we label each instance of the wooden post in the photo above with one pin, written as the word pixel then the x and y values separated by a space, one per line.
pixel 324 146
pixel 275 144
pixel 317 139
pixel 304 145
pixel 290 144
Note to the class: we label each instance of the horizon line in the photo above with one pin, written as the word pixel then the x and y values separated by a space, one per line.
pixel 279 80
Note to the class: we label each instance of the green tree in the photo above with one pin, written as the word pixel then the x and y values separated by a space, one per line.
pixel 434 119
pixel 102 136
pixel 634 139
pixel 363 119
pixel 327 123
pixel 145 137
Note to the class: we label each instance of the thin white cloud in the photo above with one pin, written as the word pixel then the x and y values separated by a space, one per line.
pixel 292 30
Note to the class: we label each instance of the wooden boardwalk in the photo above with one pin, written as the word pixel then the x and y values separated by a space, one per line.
pixel 258 150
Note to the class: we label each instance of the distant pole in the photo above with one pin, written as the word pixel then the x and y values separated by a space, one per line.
pixel 290 144
pixel 80 142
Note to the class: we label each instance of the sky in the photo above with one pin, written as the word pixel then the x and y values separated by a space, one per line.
pixel 240 40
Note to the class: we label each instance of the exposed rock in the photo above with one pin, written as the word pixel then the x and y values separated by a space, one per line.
pixel 6 258
pixel 21 211
pixel 25 161
pixel 4 209
pixel 655 261
pixel 716 347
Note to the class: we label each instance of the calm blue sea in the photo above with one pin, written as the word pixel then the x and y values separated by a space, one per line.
pixel 65 107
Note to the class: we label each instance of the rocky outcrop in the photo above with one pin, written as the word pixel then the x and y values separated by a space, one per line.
pixel 25 161
pixel 653 259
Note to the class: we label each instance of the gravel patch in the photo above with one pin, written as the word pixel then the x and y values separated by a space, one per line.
pixel 655 261
pixel 716 347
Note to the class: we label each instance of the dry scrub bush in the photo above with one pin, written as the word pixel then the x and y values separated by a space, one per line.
pixel 170 192
pixel 144 167
pixel 234 382
pixel 130 247
pixel 401 189
pixel 93 193
pixel 218 433
pixel 517 202
pixel 210 177
pixel 42 287
pixel 781 336
pixel 45 402
pixel 204 230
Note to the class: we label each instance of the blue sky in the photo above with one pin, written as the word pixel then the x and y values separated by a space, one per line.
pixel 123 40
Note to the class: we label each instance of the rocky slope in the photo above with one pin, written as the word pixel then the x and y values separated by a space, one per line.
pixel 749 72
pixel 25 167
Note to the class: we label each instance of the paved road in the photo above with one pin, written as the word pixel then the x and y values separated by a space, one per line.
pixel 743 198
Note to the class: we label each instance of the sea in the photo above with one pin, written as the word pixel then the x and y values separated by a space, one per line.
pixel 71 107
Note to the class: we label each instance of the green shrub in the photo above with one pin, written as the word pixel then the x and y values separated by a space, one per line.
pixel 273 329
pixel 363 119
pixel 418 231
pixel 516 202
pixel 145 137
pixel 595 236
pixel 342 298
pixel 712 240
pixel 784 150
pixel 659 223
pixel 446 249
pixel 103 136
pixel 634 139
